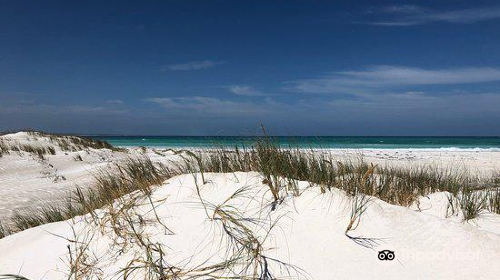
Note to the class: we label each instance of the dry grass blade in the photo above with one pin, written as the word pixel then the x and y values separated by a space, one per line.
pixel 494 201
pixel 471 202
pixel 358 207
pixel 4 230
pixel 137 174
pixel 12 277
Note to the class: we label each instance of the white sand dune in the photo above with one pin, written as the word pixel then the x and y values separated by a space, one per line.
pixel 309 234
pixel 482 163
pixel 27 181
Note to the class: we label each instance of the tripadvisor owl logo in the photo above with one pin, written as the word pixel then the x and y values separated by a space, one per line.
pixel 386 255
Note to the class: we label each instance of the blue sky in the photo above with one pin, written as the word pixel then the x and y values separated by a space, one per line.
pixel 223 67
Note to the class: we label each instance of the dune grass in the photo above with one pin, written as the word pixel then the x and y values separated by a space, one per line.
pixel 4 230
pixel 43 215
pixel 281 167
pixel 4 148
pixel 35 150
pixel 67 143
pixel 137 174
pixel 358 207
pixel 493 200
pixel 472 203
pixel 39 151
pixel 73 143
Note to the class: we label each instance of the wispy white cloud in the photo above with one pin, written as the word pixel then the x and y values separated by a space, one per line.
pixel 372 114
pixel 244 90
pixel 407 15
pixel 384 77
pixel 386 112
pixel 209 106
pixel 51 109
pixel 114 101
pixel 403 9
pixel 193 65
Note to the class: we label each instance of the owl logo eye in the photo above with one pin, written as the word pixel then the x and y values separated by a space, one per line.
pixel 386 255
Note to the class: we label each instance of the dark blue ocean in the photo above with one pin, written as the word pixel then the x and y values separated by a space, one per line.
pixel 324 142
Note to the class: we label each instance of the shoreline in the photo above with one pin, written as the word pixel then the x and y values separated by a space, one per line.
pixel 420 149
pixel 309 142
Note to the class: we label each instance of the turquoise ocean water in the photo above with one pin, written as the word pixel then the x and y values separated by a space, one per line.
pixel 325 142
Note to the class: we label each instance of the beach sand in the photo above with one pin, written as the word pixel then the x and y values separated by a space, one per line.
pixel 26 181
pixel 308 232
pixel 307 239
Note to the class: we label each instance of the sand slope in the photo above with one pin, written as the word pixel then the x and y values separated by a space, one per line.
pixel 309 233
pixel 28 181
pixel 304 237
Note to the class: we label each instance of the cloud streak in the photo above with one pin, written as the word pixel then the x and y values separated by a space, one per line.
pixel 387 112
pixel 114 101
pixel 208 106
pixel 381 113
pixel 244 90
pixel 408 15
pixel 193 65
pixel 383 77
